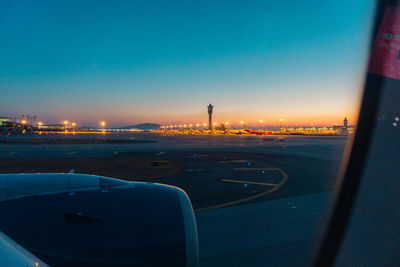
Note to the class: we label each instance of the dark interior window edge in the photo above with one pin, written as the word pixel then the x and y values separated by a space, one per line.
pixel 350 177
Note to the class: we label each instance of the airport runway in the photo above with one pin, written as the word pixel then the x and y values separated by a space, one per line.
pixel 324 147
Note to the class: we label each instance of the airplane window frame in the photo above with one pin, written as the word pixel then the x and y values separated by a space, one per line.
pixel 350 175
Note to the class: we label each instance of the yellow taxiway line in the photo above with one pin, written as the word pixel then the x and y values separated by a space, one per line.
pixel 274 188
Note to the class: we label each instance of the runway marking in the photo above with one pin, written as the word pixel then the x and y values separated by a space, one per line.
pixel 248 182
pixel 71 153
pixel 234 161
pixel 199 156
pixel 255 169
pixel 276 187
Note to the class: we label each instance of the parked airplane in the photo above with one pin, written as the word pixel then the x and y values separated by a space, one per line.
pixel 257 132
pixel 228 131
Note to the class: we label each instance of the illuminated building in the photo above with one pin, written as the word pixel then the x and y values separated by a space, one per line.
pixel 345 128
pixel 345 125
pixel 54 127
pixel 5 121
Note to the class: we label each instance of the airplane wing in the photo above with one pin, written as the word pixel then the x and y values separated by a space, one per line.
pixel 79 220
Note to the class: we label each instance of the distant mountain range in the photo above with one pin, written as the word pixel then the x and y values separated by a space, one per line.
pixel 142 126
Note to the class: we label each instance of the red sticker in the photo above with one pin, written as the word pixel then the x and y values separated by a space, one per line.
pixel 385 56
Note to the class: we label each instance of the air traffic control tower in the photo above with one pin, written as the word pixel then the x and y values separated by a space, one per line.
pixel 345 125
pixel 210 111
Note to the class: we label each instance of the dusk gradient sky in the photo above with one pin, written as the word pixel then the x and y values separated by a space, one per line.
pixel 130 62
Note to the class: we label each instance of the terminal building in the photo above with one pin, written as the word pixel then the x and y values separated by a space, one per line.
pixel 7 125
pixel 5 122
pixel 54 127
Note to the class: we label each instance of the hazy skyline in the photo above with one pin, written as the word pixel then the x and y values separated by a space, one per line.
pixel 164 62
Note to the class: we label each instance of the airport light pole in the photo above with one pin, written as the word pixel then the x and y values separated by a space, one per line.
pixel 261 122
pixel 65 125
pixel 24 122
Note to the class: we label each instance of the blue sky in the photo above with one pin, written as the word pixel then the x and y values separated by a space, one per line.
pixel 128 62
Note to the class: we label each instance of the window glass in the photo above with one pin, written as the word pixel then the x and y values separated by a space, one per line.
pixel 246 106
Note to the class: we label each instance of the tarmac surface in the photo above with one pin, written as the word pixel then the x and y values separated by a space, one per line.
pixel 327 147
pixel 259 201
pixel 215 171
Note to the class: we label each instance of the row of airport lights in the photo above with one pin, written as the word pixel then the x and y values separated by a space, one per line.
pixel 66 123
pixel 215 124
pixel 103 124
pixel 25 122
pixel 73 124
pixel 187 125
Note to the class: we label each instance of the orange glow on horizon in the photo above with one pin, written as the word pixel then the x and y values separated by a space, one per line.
pixel 235 118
